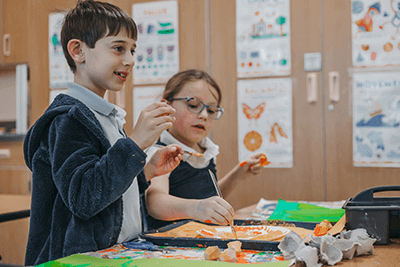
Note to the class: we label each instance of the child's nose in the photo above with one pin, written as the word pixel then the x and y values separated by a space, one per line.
pixel 129 60
pixel 203 113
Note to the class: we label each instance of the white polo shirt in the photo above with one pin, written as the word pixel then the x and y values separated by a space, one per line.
pixel 112 119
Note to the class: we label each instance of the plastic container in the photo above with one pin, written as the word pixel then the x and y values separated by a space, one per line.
pixel 378 215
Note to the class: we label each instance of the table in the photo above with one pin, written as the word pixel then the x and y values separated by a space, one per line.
pixel 13 207
pixel 14 227
pixel 384 255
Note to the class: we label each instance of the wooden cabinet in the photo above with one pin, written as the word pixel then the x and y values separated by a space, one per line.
pixel 304 181
pixel 14 33
pixel 343 180
pixel 15 180
pixel 322 139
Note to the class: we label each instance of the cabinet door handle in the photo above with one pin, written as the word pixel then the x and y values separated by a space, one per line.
pixel 7 44
pixel 311 87
pixel 334 82
pixel 5 153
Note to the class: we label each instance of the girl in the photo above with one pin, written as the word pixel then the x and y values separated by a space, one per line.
pixel 188 191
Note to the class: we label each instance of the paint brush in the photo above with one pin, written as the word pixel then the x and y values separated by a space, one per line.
pixel 188 152
pixel 220 195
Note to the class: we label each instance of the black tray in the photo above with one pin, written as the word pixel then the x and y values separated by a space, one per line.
pixel 378 215
pixel 205 242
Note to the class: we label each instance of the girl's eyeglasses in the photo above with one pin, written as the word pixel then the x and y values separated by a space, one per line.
pixel 196 106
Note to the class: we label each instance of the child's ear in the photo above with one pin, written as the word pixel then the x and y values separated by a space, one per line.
pixel 75 50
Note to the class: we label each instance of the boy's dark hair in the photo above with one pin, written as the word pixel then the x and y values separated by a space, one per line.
pixel 91 20
pixel 175 84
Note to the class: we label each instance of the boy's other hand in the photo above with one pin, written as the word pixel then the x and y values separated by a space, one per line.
pixel 214 210
pixel 151 122
pixel 163 161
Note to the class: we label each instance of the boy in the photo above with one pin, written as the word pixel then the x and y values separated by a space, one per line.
pixel 85 196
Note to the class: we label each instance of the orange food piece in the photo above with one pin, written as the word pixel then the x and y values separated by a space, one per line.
pixel 264 160
pixel 322 228
pixel 228 255
pixel 196 154
pixel 212 253
pixel 236 245
pixel 206 233
pixel 165 114
pixel 242 163
pixel 280 258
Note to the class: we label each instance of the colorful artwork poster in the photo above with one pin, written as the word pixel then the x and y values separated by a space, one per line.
pixel 59 71
pixel 144 96
pixel 375 28
pixel 157 52
pixel 376 119
pixel 263 38
pixel 265 120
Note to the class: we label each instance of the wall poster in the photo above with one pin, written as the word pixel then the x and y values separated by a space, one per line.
pixel 157 52
pixel 263 38
pixel 144 96
pixel 59 71
pixel 375 29
pixel 265 120
pixel 376 119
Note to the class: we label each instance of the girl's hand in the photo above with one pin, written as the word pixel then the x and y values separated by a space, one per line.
pixel 251 165
pixel 151 122
pixel 214 210
pixel 163 161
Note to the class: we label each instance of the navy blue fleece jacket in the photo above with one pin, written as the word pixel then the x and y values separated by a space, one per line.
pixel 78 182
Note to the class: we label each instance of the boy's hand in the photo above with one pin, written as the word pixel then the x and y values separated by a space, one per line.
pixel 151 123
pixel 163 161
pixel 214 210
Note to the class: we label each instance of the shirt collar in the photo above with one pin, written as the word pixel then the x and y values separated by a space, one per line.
pixel 92 100
pixel 211 149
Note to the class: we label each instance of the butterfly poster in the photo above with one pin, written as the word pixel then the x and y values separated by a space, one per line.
pixel 157 53
pixel 265 120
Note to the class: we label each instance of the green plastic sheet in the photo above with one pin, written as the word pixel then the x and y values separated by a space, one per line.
pixel 301 212
pixel 80 260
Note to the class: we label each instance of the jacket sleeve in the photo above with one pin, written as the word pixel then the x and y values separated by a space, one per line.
pixel 88 176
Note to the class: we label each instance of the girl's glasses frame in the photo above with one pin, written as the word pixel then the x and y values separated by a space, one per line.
pixel 196 106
